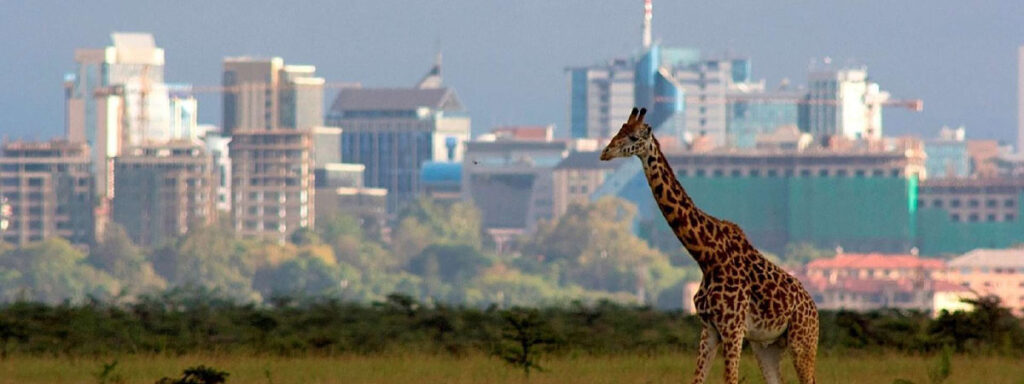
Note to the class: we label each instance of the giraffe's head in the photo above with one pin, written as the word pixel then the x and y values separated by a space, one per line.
pixel 633 139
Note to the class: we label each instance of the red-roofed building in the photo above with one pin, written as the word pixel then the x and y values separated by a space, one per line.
pixel 863 282
pixel 873 266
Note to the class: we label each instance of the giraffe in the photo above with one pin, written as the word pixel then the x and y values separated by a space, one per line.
pixel 742 295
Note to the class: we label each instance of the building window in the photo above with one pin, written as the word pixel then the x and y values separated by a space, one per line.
pixel 955 203
pixel 973 218
pixel 877 173
pixel 700 173
pixel 859 173
pixel 920 203
pixel 755 173
pixel 773 173
pixel 841 173
pixel 991 218
pixel 1008 217
pixel 1008 203
pixel 735 173
pixel 895 172
pixel 805 173
pixel 972 203
pixel 991 203
pixel 823 173
pixel 682 173
pixel 937 203
pixel 955 218
pixel 717 173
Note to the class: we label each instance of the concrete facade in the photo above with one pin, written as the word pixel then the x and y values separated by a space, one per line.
pixel 47 187
pixel 164 190
pixel 272 183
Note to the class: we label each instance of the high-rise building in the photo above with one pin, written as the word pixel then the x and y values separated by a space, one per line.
pixel 844 103
pixel 164 190
pixel 217 146
pixel 116 99
pixel 751 115
pixel 393 131
pixel 272 182
pixel 266 95
pixel 1020 99
pixel 183 123
pixel 709 86
pixel 601 98
pixel 47 188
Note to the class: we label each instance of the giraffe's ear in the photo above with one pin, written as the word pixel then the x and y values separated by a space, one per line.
pixel 632 116
pixel 643 112
pixel 645 130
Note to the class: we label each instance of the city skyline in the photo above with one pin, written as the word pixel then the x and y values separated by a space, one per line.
pixel 510 68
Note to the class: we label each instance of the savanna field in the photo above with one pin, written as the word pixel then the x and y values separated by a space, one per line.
pixel 401 340
pixel 477 368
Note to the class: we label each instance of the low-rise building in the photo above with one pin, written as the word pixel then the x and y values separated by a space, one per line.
pixel 510 181
pixel 863 282
pixel 46 189
pixel 340 190
pixel 998 272
pixel 577 177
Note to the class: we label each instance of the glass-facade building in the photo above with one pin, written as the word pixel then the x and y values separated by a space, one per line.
pixel 394 131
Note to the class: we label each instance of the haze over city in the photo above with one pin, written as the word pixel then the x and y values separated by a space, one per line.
pixel 507 59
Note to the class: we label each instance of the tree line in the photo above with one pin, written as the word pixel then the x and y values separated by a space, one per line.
pixel 190 321
pixel 435 253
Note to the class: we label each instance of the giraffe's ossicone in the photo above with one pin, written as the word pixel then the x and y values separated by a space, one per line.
pixel 742 295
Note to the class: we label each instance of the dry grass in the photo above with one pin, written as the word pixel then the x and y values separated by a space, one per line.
pixel 421 368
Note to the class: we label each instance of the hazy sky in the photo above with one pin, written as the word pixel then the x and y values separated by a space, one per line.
pixel 506 59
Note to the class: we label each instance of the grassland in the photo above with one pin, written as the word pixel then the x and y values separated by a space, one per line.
pixel 422 368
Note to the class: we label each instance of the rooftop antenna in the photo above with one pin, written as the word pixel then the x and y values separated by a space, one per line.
pixel 647 25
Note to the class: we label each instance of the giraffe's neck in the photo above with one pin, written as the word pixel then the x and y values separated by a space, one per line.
pixel 689 223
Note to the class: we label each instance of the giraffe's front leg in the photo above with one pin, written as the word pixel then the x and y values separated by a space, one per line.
pixel 708 346
pixel 732 346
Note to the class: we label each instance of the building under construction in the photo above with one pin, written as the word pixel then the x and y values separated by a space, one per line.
pixel 46 189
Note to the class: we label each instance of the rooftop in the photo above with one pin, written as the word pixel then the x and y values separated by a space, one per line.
pixel 394 99
pixel 525 132
pixel 875 260
pixel 1013 258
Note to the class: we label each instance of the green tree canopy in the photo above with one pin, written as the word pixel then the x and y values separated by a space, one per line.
pixel 117 255
pixel 593 246
pixel 52 271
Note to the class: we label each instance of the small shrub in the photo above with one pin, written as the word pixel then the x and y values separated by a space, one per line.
pixel 198 375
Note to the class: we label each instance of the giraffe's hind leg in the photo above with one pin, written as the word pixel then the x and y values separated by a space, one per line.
pixel 803 341
pixel 769 357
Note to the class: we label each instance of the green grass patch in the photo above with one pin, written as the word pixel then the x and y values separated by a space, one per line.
pixel 479 368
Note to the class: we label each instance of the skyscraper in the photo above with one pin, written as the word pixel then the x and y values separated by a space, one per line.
pixel 601 97
pixel 117 98
pixel 266 95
